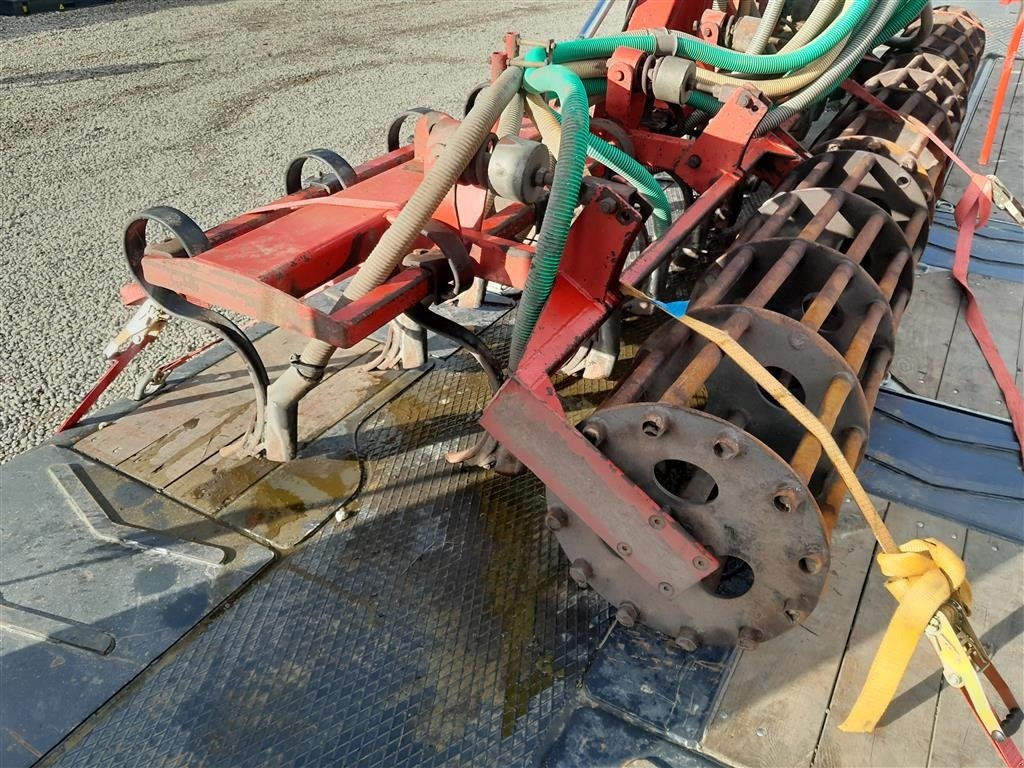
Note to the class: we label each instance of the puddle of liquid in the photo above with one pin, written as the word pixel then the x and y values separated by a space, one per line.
pixel 517 584
pixel 291 502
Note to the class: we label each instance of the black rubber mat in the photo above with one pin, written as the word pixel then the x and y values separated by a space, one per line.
pixel 436 626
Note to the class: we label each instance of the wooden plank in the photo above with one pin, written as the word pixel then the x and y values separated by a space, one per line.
pixel 289 503
pixel 223 419
pixel 772 711
pixel 904 735
pixel 966 377
pixel 227 381
pixel 922 342
pixel 995 568
pixel 221 478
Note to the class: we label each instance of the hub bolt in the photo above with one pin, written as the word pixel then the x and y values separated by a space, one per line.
pixel 653 425
pixel 785 500
pixel 725 447
pixel 556 519
pixel 749 638
pixel 797 609
pixel 581 572
pixel 594 432
pixel 688 639
pixel 627 614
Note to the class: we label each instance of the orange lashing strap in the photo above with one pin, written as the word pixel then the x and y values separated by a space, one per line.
pixel 1002 87
pixel 972 211
pixel 927 579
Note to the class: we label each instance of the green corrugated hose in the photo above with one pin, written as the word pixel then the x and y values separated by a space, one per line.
pixel 845 64
pixel 577 142
pixel 565 193
pixel 723 58
pixel 628 168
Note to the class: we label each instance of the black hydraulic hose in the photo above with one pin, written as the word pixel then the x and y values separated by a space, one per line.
pixel 465 338
pixel 923 30
pixel 630 7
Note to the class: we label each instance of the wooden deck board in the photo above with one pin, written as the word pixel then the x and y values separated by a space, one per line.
pixel 185 427
pixel 220 478
pixel 784 702
pixel 966 377
pixel 922 343
pixel 904 735
pixel 995 568
pixel 774 706
pixel 222 385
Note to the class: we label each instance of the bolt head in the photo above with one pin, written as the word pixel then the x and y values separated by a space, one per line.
pixel 624 549
pixel 693 161
pixel 797 608
pixel 656 521
pixel 688 639
pixel 666 589
pixel 749 638
pixel 556 519
pixel 594 432
pixel 653 425
pixel 607 205
pixel 627 614
pixel 581 572
pixel 725 447
pixel 701 563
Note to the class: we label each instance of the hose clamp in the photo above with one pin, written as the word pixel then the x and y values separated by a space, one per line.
pixel 308 371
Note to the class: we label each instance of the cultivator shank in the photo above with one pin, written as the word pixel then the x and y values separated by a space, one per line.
pixel 689 499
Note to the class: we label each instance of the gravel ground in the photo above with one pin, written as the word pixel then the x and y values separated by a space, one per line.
pixel 200 104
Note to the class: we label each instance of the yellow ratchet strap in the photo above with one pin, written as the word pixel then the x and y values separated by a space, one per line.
pixel 925 576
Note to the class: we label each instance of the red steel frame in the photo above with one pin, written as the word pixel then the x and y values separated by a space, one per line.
pixel 263 262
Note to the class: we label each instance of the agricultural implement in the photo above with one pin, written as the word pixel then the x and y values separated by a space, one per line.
pixel 691 499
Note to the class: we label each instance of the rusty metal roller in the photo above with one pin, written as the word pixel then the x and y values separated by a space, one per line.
pixel 929 84
pixel 814 288
pixel 731 467
pixel 902 194
pixel 928 73
pixel 958 36
pixel 860 127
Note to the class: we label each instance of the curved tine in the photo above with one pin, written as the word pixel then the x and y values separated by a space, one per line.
pixel 482 452
pixel 471 96
pixel 395 129
pixel 344 173
pixel 194 241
